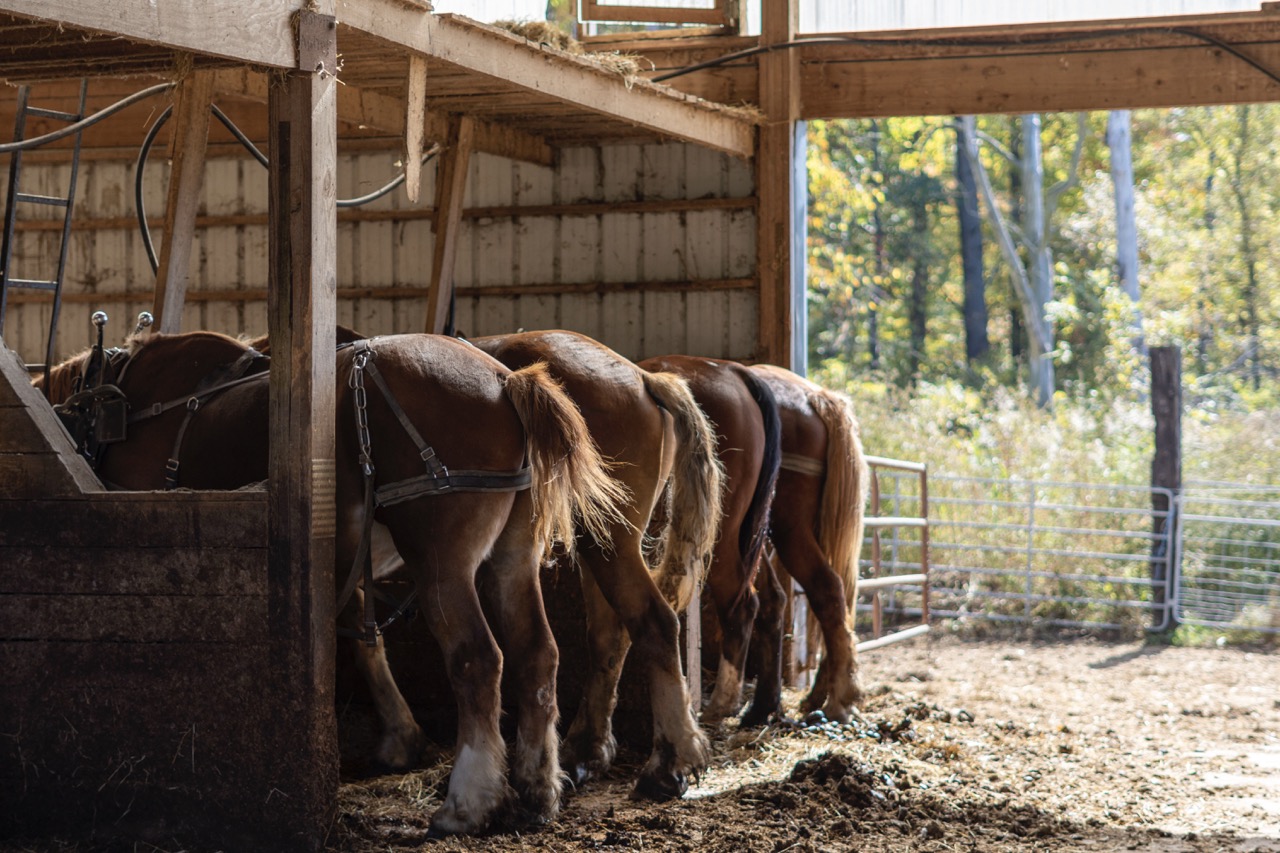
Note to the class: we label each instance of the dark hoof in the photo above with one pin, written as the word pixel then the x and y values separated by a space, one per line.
pixel 755 717
pixel 660 786
pixel 435 833
pixel 579 775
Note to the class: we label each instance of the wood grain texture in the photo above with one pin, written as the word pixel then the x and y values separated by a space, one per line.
pixel 186 153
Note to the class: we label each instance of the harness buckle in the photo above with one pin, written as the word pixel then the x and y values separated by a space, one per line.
pixel 171 474
pixel 433 463
pixel 193 404
pixel 371 633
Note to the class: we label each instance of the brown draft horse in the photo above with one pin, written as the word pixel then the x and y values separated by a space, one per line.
pixel 817 522
pixel 650 428
pixel 479 416
pixel 745 416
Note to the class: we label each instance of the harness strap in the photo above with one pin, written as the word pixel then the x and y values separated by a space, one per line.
pixel 210 385
pixel 437 480
pixel 454 481
pixel 803 464
pixel 156 409
pixel 435 468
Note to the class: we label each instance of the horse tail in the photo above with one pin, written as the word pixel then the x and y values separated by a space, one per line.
pixel 840 516
pixel 570 479
pixel 755 527
pixel 693 492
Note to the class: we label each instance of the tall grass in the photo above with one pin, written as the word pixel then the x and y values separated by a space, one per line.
pixel 993 432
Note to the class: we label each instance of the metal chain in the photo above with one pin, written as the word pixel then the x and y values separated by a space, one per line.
pixel 356 384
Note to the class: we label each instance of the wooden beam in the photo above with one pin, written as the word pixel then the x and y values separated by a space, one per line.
pixel 367 108
pixel 301 504
pixel 1082 65
pixel 495 54
pixel 779 99
pixel 415 119
pixel 186 179
pixel 257 32
pixel 411 292
pixel 451 185
pixel 1112 70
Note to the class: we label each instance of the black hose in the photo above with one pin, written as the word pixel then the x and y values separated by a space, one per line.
pixel 145 151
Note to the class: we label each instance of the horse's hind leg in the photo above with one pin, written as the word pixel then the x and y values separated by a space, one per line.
pixel 767 646
pixel 402 738
pixel 531 659
pixel 679 746
pixel 835 688
pixel 736 606
pixel 443 549
pixel 589 746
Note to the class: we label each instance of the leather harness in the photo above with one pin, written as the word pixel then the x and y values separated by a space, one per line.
pixel 101 376
pixel 437 480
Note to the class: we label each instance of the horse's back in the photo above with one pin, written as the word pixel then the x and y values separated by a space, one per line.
pixel 608 389
pixel 803 432
pixel 452 393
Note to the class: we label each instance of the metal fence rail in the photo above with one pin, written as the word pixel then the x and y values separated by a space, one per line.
pixel 1063 554
pixel 1228 547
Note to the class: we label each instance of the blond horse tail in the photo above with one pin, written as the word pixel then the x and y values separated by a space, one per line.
pixel 694 493
pixel 571 481
pixel 840 517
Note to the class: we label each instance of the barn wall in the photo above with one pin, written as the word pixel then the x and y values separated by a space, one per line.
pixel 135 665
pixel 660 237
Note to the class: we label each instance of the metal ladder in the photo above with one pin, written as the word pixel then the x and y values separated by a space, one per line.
pixel 15 196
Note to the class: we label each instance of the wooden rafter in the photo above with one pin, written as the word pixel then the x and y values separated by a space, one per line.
pixel 451 185
pixel 1142 62
pixel 533 78
pixel 370 109
pixel 256 32
pixel 186 179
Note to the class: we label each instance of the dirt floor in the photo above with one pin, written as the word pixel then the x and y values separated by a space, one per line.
pixel 963 746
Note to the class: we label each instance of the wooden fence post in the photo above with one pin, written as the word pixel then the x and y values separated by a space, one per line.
pixel 1166 473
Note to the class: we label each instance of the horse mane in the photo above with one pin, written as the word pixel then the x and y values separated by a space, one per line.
pixel 61 378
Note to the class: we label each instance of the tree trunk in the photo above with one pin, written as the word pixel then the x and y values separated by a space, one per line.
pixel 1119 141
pixel 1039 257
pixel 976 342
pixel 1204 330
pixel 879 242
pixel 1017 334
pixel 1248 249
pixel 916 310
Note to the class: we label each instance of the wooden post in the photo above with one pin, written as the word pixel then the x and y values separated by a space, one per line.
pixel 779 99
pixel 186 177
pixel 1166 472
pixel 451 186
pixel 302 311
pixel 414 123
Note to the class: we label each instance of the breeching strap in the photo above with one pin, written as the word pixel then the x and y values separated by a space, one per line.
pixel 437 480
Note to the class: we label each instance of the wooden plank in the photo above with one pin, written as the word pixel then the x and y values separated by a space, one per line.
pixel 1192 74
pixel 415 118
pixel 128 519
pixel 191 134
pixel 61 470
pixel 74 570
pixel 718 14
pixel 779 99
pixel 173 665
pixel 301 500
pixel 128 618
pixel 369 109
pixel 256 32
pixel 451 181
pixel 495 54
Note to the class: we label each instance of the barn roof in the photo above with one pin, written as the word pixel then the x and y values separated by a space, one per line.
pixel 530 94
